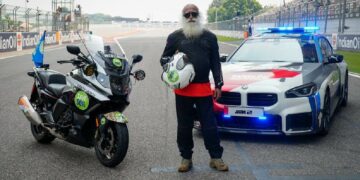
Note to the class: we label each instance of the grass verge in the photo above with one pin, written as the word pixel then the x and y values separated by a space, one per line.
pixel 352 59
pixel 227 39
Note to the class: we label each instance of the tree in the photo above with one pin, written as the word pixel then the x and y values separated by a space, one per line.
pixel 228 9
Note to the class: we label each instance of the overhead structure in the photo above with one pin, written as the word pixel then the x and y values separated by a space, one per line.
pixel 65 14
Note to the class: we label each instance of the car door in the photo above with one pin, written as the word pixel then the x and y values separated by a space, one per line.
pixel 332 71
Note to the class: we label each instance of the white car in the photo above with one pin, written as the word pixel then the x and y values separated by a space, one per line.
pixel 284 81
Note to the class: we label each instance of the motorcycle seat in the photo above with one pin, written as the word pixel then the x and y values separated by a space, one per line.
pixel 56 89
pixel 55 82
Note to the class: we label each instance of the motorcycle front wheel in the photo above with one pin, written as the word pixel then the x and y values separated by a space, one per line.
pixel 111 146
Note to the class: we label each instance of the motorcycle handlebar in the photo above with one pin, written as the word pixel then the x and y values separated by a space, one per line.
pixel 73 61
pixel 63 61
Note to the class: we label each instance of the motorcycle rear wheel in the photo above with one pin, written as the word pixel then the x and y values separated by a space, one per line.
pixel 113 148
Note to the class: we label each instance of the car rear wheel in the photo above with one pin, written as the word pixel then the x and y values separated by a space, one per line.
pixel 325 120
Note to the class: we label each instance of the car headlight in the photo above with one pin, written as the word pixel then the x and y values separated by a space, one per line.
pixel 103 80
pixel 302 91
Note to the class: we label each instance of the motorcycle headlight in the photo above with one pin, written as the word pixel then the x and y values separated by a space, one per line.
pixel 302 91
pixel 120 85
pixel 89 70
pixel 103 80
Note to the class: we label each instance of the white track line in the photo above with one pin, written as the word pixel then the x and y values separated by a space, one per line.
pixel 234 45
pixel 30 52
pixel 354 75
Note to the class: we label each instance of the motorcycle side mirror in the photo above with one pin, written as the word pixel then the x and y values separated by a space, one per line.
pixel 136 58
pixel 75 50
pixel 107 49
pixel 139 75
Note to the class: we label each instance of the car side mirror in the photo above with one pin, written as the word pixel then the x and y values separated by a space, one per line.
pixel 223 57
pixel 136 58
pixel 336 58
pixel 75 50
pixel 339 57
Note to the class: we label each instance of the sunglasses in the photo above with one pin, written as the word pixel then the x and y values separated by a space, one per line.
pixel 193 14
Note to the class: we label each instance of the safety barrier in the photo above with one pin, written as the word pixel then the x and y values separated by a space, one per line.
pixel 17 41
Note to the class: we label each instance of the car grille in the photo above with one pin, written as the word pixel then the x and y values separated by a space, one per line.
pixel 261 99
pixel 273 123
pixel 230 98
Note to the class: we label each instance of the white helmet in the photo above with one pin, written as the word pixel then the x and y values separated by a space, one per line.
pixel 178 72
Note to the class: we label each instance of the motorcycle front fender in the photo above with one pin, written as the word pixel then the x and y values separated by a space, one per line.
pixel 115 116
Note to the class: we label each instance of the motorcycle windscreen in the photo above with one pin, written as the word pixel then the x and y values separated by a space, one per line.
pixel 94 44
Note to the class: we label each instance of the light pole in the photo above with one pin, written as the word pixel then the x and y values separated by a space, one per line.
pixel 345 11
pixel 326 14
pixel 26 2
pixel 317 6
pixel 340 17
pixel 216 13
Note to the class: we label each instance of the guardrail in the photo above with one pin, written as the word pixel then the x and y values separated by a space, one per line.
pixel 16 18
pixel 332 16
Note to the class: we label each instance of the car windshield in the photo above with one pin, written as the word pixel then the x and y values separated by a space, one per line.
pixel 275 50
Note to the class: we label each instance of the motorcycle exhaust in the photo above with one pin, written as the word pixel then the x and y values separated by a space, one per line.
pixel 29 111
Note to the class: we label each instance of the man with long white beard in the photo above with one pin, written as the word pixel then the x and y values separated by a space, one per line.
pixel 201 47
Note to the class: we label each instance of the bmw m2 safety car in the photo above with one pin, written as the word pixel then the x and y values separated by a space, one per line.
pixel 283 81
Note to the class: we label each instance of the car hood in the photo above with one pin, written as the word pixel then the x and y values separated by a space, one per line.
pixel 268 73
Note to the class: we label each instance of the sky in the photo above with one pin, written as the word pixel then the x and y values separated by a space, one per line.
pixel 160 10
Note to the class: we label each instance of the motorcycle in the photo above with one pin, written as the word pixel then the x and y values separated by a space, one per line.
pixel 85 106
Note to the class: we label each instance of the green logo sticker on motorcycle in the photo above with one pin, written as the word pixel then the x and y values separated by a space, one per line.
pixel 103 121
pixel 120 117
pixel 173 76
pixel 117 62
pixel 81 100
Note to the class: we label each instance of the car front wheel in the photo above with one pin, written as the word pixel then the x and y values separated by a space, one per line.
pixel 325 120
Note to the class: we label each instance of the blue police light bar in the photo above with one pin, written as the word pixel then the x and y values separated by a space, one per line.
pixel 289 29
pixel 262 118
pixel 285 28
pixel 312 28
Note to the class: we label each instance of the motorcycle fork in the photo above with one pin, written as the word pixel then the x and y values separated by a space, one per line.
pixel 34 93
pixel 102 124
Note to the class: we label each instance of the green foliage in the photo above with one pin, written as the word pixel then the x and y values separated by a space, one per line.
pixel 99 18
pixel 228 9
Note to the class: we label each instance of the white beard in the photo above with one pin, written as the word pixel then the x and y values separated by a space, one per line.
pixel 192 29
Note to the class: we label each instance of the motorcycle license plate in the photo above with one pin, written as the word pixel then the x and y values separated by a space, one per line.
pixel 246 112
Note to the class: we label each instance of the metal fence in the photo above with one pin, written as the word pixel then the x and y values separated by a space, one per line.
pixel 19 19
pixel 332 16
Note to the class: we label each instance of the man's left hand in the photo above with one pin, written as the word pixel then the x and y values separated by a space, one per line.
pixel 217 93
